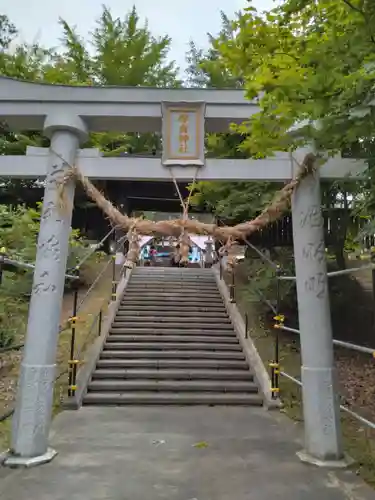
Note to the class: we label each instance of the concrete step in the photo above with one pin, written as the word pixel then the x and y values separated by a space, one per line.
pixel 186 311
pixel 185 296
pixel 218 364
pixel 209 278
pixel 190 271
pixel 171 286
pixel 173 283
pixel 179 290
pixel 169 269
pixel 167 283
pixel 121 386
pixel 162 313
pixel 194 285
pixel 171 302
pixel 162 374
pixel 170 346
pixel 159 355
pixel 172 271
pixel 175 298
pixel 120 318
pixel 153 325
pixel 160 398
pixel 163 339
pixel 126 330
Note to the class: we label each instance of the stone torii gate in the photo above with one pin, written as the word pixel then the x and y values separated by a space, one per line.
pixel 66 115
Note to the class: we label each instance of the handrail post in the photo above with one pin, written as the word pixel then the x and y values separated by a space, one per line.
pixel 72 361
pixel 100 319
pixel 2 261
pixel 280 319
pixel 373 293
pixel 114 282
pixel 232 294
pixel 246 325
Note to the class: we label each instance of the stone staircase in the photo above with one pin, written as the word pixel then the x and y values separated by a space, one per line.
pixel 172 343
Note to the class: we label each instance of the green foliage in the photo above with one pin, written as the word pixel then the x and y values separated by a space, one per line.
pixel 261 279
pixel 309 61
pixel 19 229
pixel 207 68
pixel 302 62
pixel 234 201
pixel 8 32
pixel 119 52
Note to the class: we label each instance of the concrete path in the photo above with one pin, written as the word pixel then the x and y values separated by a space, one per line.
pixel 177 454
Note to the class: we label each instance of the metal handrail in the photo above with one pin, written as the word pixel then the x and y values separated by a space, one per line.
pixel 275 366
pixel 279 318
pixel 71 321
pixel 95 248
pixel 30 267
pixel 342 407
pixel 340 272
pixel 340 343
pixel 262 255
pixel 265 300
pixel 74 360
pixel 94 283
pixel 16 347
pixel 96 320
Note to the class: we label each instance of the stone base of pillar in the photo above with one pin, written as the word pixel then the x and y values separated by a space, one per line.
pixel 15 462
pixel 306 458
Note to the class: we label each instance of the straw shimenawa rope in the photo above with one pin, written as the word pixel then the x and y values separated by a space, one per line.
pixel 184 242
pixel 174 228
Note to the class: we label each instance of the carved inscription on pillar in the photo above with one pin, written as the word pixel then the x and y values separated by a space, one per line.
pixel 56 173
pixel 51 218
pixel 311 220
pixel 37 394
pixel 312 217
pixel 313 251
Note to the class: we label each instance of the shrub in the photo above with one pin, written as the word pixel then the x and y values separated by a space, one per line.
pixel 19 229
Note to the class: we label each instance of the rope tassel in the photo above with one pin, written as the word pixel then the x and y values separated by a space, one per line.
pixel 184 246
pixel 132 257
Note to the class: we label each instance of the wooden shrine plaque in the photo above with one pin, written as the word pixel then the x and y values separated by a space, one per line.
pixel 183 134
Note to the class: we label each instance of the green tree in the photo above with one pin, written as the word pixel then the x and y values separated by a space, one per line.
pixel 19 229
pixel 232 201
pixel 278 56
pixel 8 32
pixel 206 68
pixel 125 53
pixel 311 61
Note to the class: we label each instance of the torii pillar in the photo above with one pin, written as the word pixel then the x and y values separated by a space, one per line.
pixel 32 418
pixel 323 444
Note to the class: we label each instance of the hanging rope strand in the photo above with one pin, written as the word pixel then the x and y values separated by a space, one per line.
pixel 184 242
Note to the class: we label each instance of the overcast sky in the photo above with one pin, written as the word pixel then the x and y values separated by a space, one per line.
pixel 181 20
